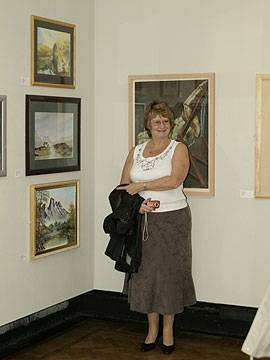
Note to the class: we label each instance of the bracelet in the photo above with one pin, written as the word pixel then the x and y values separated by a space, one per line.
pixel 144 187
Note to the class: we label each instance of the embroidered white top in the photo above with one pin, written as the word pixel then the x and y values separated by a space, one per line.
pixel 152 168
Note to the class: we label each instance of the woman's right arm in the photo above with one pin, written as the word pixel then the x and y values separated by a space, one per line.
pixel 125 177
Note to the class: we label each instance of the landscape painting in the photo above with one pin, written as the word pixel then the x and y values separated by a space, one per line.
pixel 52 128
pixel 54 217
pixel 52 52
pixel 53 135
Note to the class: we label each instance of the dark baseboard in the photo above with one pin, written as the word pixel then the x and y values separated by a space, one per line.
pixel 36 331
pixel 204 317
pixel 207 318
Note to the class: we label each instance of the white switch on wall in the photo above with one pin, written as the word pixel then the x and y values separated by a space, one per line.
pixel 18 173
pixel 25 80
pixel 247 194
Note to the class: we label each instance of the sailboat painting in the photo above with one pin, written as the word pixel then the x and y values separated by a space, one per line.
pixel 53 135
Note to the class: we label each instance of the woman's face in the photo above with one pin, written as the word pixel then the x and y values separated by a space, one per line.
pixel 159 127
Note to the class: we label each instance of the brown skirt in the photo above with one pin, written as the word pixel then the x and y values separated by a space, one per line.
pixel 164 281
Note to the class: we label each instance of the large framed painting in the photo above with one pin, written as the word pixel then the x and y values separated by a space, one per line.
pixel 54 217
pixel 52 53
pixel 262 189
pixel 192 99
pixel 3 115
pixel 52 134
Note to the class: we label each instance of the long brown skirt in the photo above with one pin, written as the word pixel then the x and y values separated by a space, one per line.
pixel 164 281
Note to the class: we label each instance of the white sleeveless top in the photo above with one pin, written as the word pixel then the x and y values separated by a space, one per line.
pixel 152 168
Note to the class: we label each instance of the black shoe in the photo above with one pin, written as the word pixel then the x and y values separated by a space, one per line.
pixel 167 349
pixel 148 347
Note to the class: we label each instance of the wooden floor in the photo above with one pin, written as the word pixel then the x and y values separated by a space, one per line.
pixel 109 340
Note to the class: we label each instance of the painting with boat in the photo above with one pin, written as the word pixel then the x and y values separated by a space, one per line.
pixel 52 134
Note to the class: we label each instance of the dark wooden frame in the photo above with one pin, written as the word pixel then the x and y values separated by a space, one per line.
pixel 37 167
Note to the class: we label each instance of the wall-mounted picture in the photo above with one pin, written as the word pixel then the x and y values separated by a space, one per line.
pixel 262 189
pixel 3 115
pixel 54 217
pixel 192 99
pixel 52 134
pixel 52 53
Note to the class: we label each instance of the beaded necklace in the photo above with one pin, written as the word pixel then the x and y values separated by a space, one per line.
pixel 149 163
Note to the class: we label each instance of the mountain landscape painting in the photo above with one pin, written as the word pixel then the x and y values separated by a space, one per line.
pixel 55 225
pixel 53 135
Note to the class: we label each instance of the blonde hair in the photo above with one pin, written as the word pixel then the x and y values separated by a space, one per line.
pixel 157 108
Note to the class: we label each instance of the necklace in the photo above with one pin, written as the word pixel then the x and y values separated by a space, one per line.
pixel 148 164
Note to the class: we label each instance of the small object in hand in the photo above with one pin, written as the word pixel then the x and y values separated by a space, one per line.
pixel 154 204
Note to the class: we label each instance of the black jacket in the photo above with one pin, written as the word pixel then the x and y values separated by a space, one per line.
pixel 124 227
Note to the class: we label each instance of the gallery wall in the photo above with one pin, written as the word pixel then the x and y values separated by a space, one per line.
pixel 31 285
pixel 115 39
pixel 230 38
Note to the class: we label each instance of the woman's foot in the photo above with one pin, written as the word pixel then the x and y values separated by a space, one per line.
pixel 148 347
pixel 150 342
pixel 167 349
pixel 168 338
pixel 151 337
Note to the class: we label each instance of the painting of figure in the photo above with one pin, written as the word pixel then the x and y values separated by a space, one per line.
pixel 192 100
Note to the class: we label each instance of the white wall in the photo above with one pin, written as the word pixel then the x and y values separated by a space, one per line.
pixel 230 234
pixel 231 38
pixel 27 286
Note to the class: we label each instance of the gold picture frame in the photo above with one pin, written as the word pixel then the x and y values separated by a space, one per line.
pixel 52 53
pixel 262 180
pixel 192 98
pixel 54 214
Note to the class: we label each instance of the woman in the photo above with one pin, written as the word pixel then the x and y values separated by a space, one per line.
pixel 156 170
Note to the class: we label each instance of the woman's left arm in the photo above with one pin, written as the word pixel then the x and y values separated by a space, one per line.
pixel 180 167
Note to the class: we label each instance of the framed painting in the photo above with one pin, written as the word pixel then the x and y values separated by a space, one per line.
pixel 52 134
pixel 262 181
pixel 192 99
pixel 3 119
pixel 54 217
pixel 52 53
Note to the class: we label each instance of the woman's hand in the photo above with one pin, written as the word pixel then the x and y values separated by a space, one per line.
pixel 132 188
pixel 144 208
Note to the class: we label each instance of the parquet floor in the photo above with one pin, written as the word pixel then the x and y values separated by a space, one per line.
pixel 108 340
